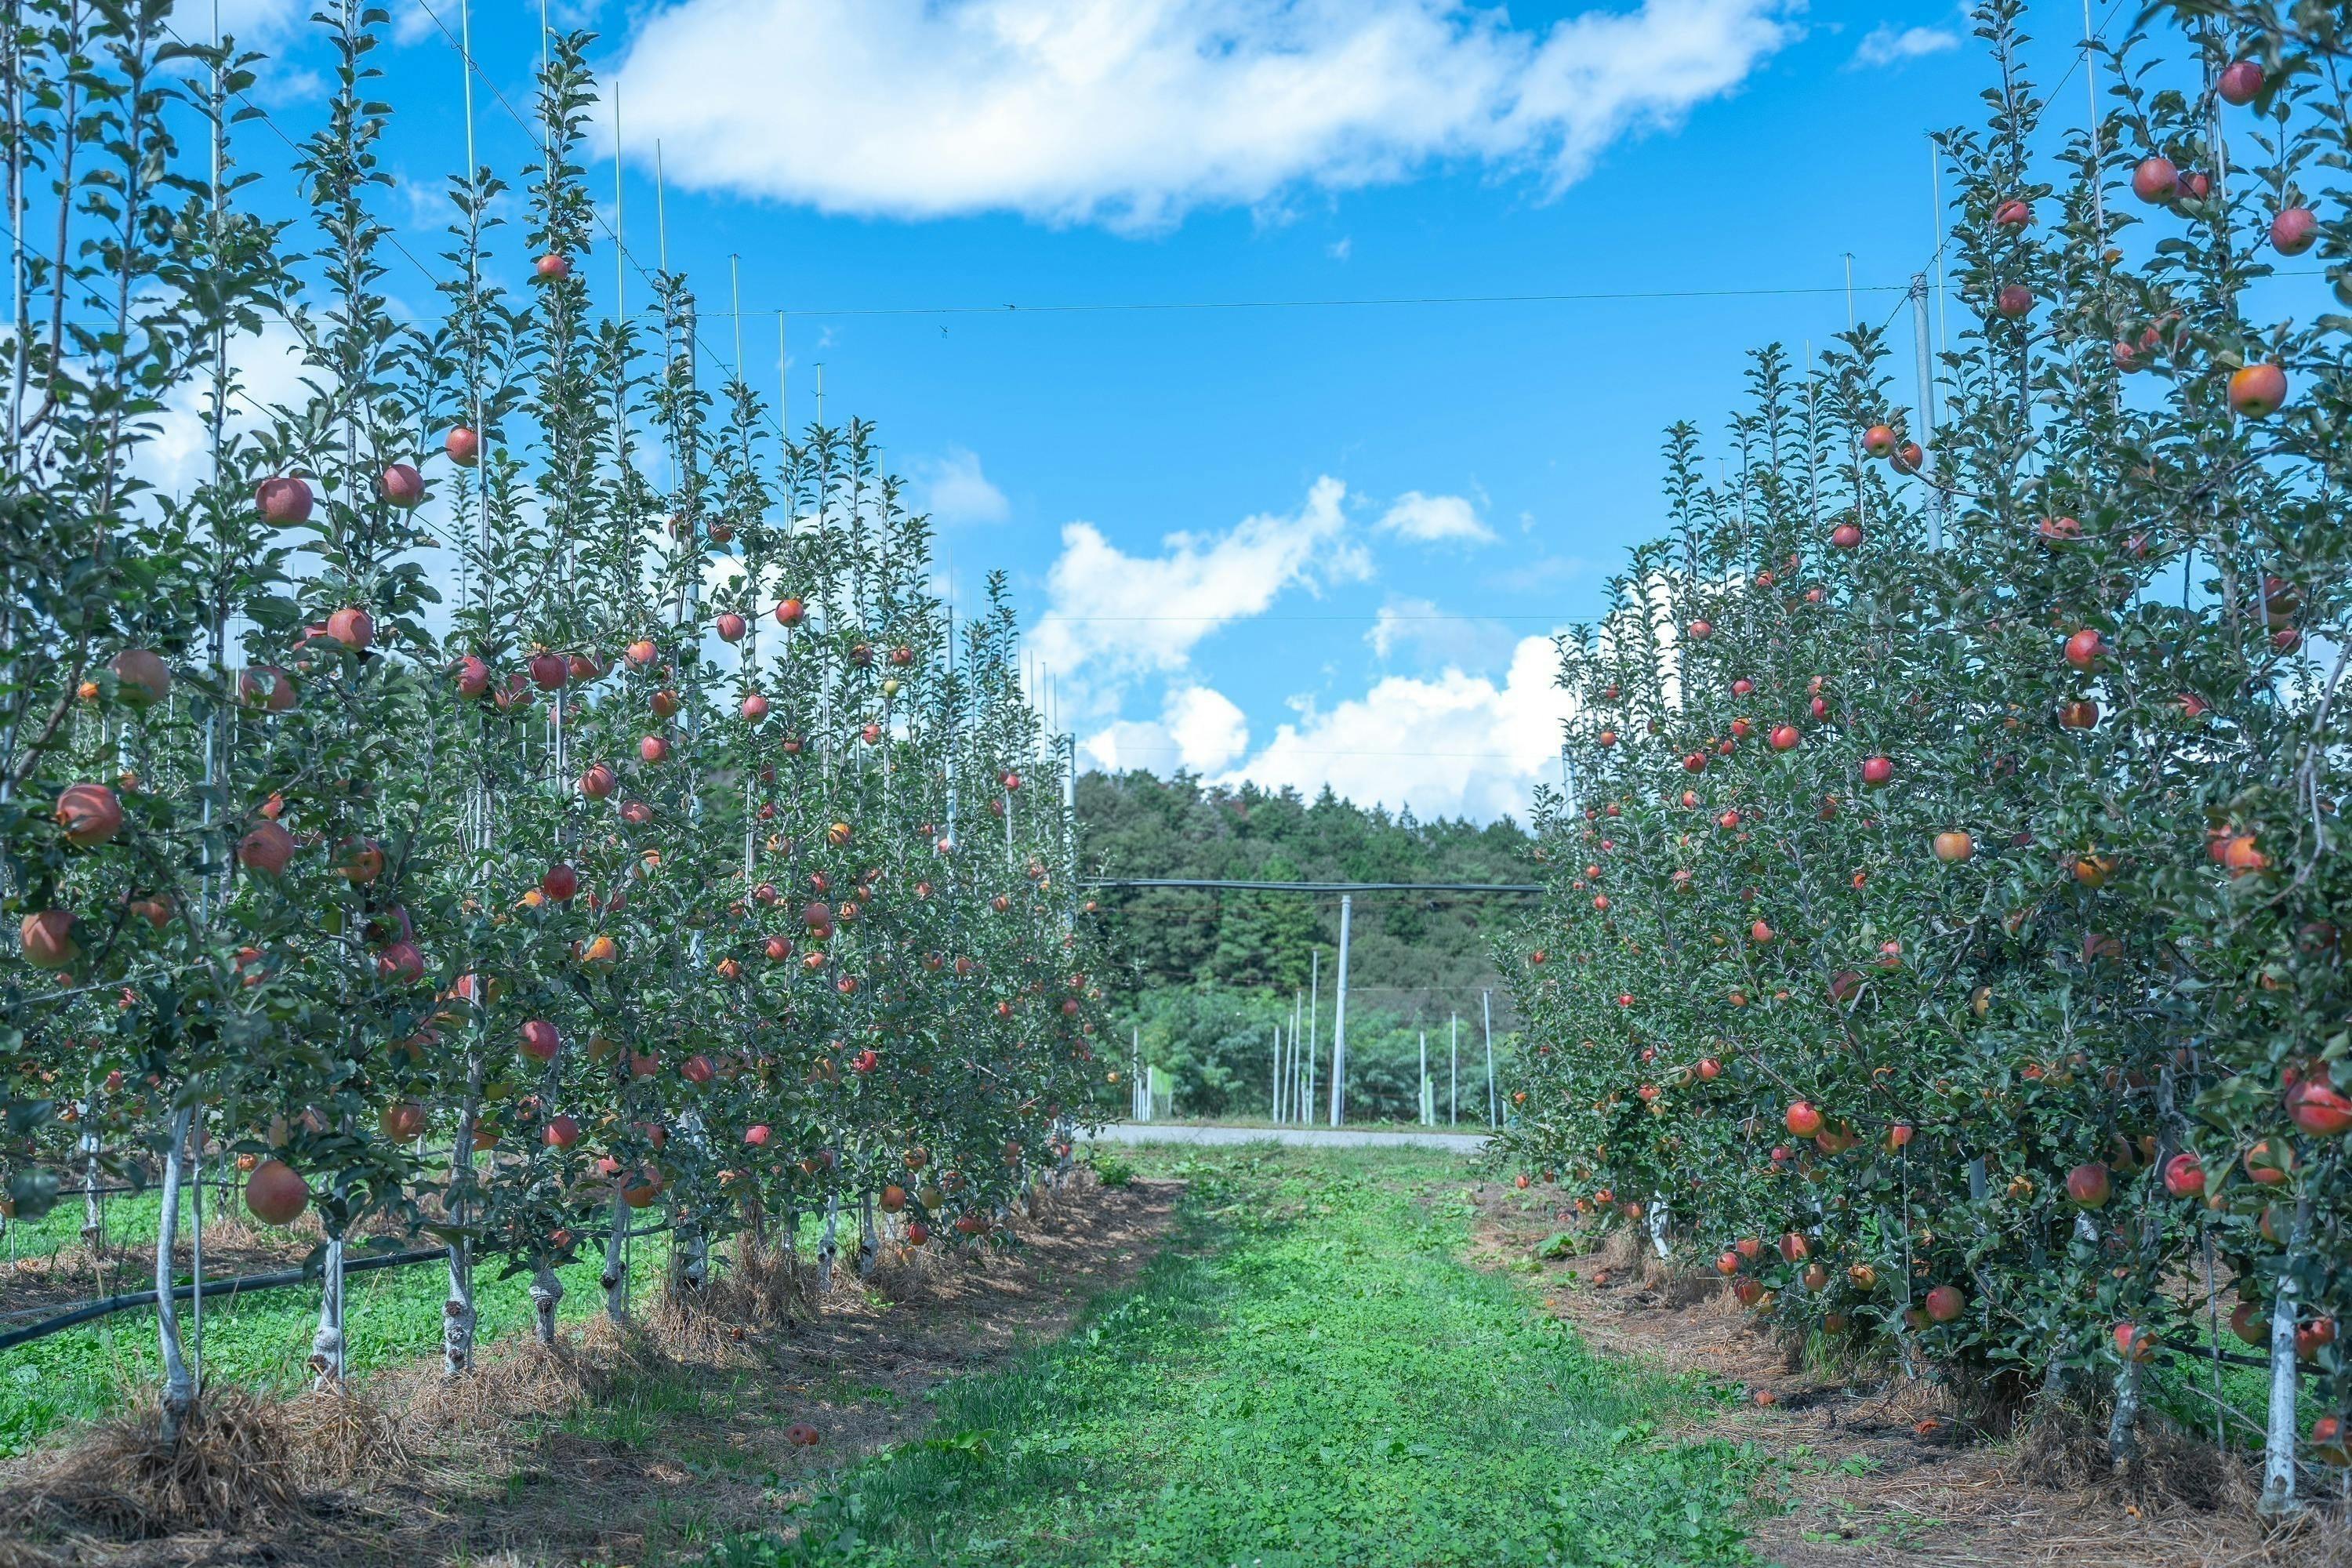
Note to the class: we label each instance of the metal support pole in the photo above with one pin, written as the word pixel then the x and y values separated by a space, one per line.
pixel 1926 432
pixel 1313 1049
pixel 1487 1007
pixel 1453 1068
pixel 1339 1018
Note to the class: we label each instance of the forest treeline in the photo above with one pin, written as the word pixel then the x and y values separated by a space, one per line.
pixel 1210 973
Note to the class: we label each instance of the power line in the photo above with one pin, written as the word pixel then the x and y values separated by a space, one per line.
pixel 1212 884
pixel 1340 302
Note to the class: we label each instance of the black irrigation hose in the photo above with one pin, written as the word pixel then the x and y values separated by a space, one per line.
pixel 89 1311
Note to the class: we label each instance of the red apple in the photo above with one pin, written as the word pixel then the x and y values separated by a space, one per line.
pixel 2012 215
pixel 473 677
pixel 560 882
pixel 141 677
pixel 790 613
pixel 1878 441
pixel 1954 846
pixel 283 499
pixel 551 268
pixel 598 781
pixel 1784 737
pixel 90 813
pixel 2239 82
pixel 2156 180
pixel 2014 299
pixel 2295 230
pixel 48 939
pixel 539 1040
pixel 1945 1303
pixel 653 748
pixel 755 708
pixel 267 848
pixel 562 1132
pixel 1802 1118
pixel 2088 1186
pixel 2084 647
pixel 403 486
pixel 275 1193
pixel 1877 770
pixel 730 627
pixel 2258 391
pixel 464 447
pixel 2184 1177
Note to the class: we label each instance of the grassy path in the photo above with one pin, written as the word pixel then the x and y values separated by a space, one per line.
pixel 1307 1375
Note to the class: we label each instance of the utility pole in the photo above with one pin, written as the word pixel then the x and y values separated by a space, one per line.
pixel 1486 1006
pixel 1339 1017
pixel 1314 1001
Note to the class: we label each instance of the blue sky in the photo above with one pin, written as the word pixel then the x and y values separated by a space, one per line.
pixel 1307 544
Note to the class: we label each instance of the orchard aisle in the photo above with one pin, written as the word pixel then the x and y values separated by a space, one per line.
pixel 1308 1374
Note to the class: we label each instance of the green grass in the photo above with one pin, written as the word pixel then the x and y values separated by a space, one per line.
pixel 1306 1375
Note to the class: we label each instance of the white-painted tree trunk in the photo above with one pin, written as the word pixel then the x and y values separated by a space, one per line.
pixel 93 1210
pixel 2278 1448
pixel 459 1316
pixel 546 1294
pixel 327 1347
pixel 869 1244
pixel 178 1405
pixel 825 1243
pixel 616 1277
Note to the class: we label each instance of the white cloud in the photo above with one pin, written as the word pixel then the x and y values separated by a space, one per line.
pixel 955 491
pixel 1433 520
pixel 1418 625
pixel 1199 730
pixel 1111 616
pixel 1208 728
pixel 1887 45
pixel 1132 112
pixel 1455 746
pixel 1342 247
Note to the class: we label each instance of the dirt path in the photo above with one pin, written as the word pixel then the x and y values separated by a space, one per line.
pixel 686 1441
pixel 1875 1469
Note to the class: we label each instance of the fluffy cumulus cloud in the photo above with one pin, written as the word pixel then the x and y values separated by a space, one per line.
pixel 1434 519
pixel 1130 112
pixel 955 491
pixel 1199 730
pixel 1111 616
pixel 1417 628
pixel 1887 45
pixel 1454 744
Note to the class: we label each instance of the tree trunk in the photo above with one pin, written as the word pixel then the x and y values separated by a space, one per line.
pixel 327 1360
pixel 616 1277
pixel 824 1246
pixel 546 1291
pixel 178 1405
pixel 869 1244
pixel 2278 1448
pixel 458 1314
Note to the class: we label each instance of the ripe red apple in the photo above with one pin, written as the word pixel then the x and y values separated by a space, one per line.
pixel 2258 391
pixel 141 677
pixel 2184 1177
pixel 1802 1118
pixel 1954 846
pixel 2084 647
pixel 2134 1342
pixel 267 848
pixel 265 687
pixel 48 939
pixel 464 446
pixel 1607 737
pixel 275 1193
pixel 1945 1303
pixel 2318 1109
pixel 1878 440
pixel 358 860
pixel 551 268
pixel 599 782
pixel 1726 1264
pixel 2156 180
pixel 791 612
pixel 2295 230
pixel 755 708
pixel 757 1136
pixel 403 486
pixel 400 962
pixel 2080 714
pixel 730 627
pixel 801 1436
pixel 2013 301
pixel 473 677
pixel 283 499
pixel 1877 770
pixel 2088 1186
pixel 90 813
pixel 653 748
pixel 1699 631
pixel 562 1132
pixel 698 1069
pixel 1785 738
pixel 539 1040
pixel 560 882
pixel 2012 215
pixel 2239 82
pixel 1759 933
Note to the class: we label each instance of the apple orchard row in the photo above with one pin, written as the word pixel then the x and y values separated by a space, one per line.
pixel 603 814
pixel 1946 937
